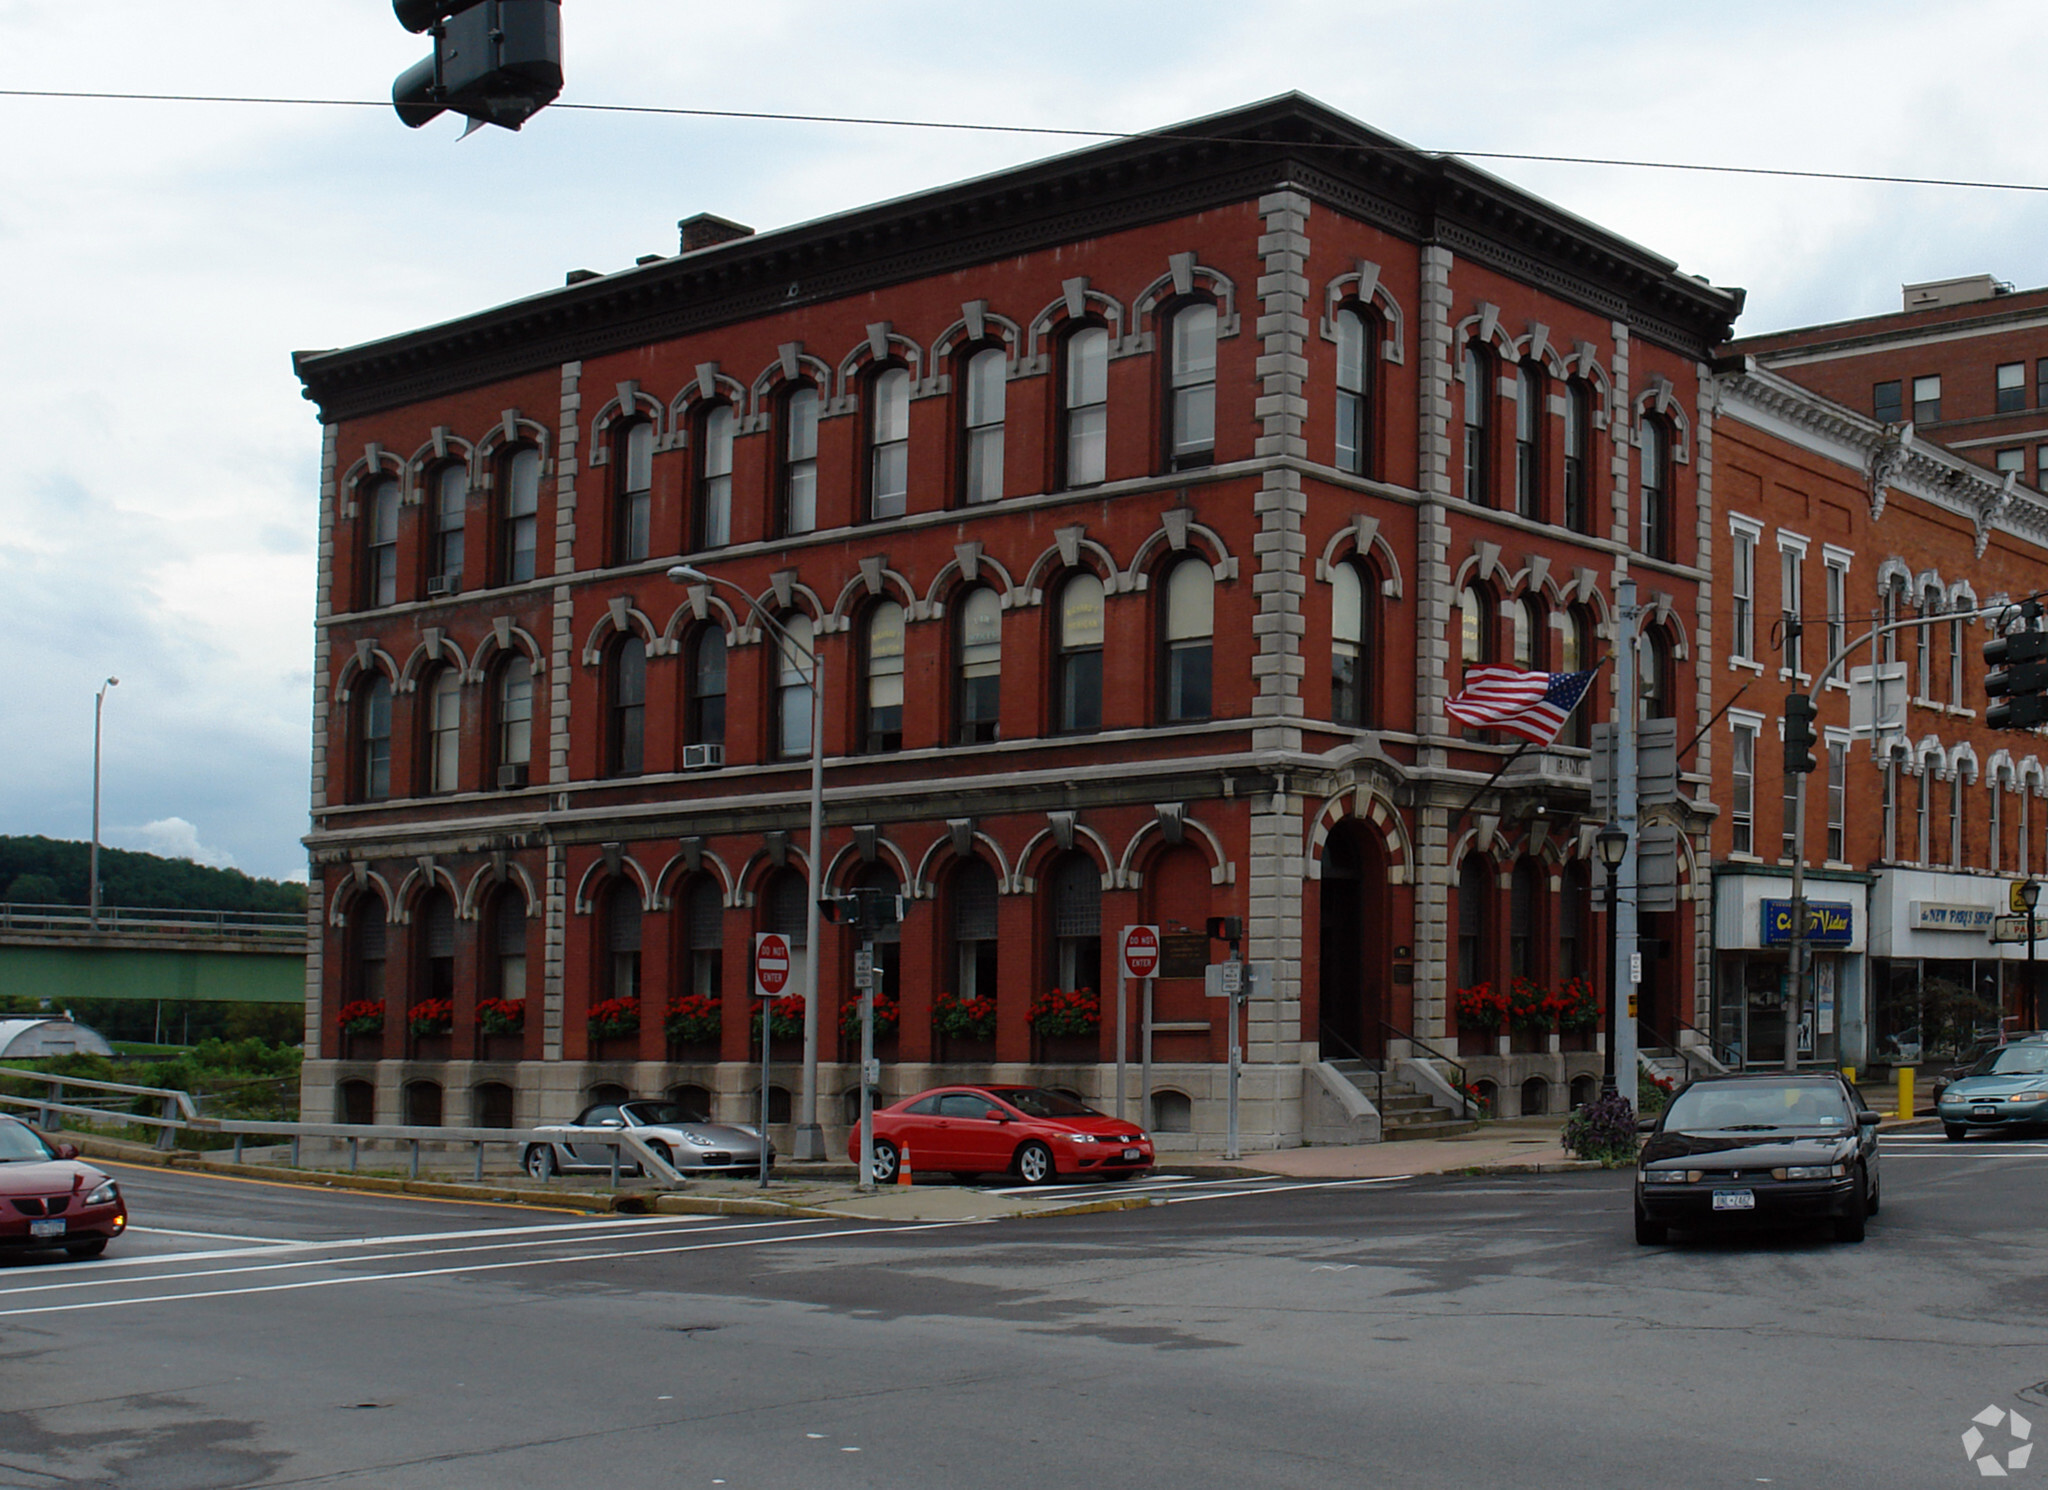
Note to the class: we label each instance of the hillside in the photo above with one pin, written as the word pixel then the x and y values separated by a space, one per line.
pixel 54 871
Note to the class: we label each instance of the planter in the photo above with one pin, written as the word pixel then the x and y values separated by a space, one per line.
pixel 1068 1050
pixel 1580 1040
pixel 1528 1042
pixel 362 1047
pixel 1478 1042
pixel 500 1047
pixel 693 1052
pixel 616 1048
pixel 432 1047
pixel 958 1049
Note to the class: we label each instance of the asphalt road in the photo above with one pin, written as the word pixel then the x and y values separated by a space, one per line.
pixel 1440 1332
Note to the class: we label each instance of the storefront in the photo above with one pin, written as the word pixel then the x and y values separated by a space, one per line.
pixel 1753 973
pixel 1939 970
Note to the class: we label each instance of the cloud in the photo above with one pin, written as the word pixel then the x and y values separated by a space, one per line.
pixel 171 838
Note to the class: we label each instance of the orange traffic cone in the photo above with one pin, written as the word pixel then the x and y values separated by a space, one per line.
pixel 903 1168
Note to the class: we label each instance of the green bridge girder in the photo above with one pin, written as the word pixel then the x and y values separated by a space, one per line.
pixel 147 974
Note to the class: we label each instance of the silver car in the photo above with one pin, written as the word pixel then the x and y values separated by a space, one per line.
pixel 689 1146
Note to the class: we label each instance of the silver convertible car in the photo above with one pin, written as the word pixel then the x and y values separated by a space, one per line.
pixel 684 1143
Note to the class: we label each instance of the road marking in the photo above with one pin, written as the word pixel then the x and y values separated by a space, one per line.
pixel 477 1267
pixel 211 1236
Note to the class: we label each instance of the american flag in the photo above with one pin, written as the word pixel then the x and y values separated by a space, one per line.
pixel 1532 705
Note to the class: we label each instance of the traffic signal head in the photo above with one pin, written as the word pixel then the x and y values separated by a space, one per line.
pixel 1800 737
pixel 1226 929
pixel 2018 679
pixel 495 61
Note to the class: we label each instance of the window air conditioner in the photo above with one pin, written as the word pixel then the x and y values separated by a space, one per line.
pixel 511 774
pixel 703 757
pixel 445 584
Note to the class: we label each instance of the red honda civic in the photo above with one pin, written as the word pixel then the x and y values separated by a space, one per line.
pixel 1035 1134
pixel 49 1198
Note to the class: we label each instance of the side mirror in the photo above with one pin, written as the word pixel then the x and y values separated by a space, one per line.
pixel 65 1150
pixel 611 1122
pixel 1868 1119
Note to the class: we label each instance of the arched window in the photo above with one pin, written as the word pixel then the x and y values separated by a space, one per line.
pixel 1653 657
pixel 1076 923
pixel 373 739
pixel 380 543
pixel 704 939
pixel 797 479
pixel 1923 827
pixel 1578 457
pixel 491 1104
pixel 451 510
pixel 882 724
pixel 1530 416
pixel 1077 665
pixel 1189 625
pixel 888 938
pixel 519 516
pixel 633 461
pixel 512 702
pixel 505 968
pixel 1475 625
pixel 1955 819
pixel 1191 387
pixel 889 443
pixel 437 946
pixel 1891 807
pixel 793 699
pixel 1532 635
pixel 371 938
pixel 1354 391
pixel 444 731
pixel 1354 647
pixel 1084 404
pixel 1475 891
pixel 1892 606
pixel 713 518
pixel 1525 890
pixel 626 708
pixel 422 1104
pixel 974 930
pixel 706 721
pixel 621 971
pixel 979 690
pixel 1656 467
pixel 1575 655
pixel 1923 642
pixel 1478 475
pixel 1573 941
pixel 983 384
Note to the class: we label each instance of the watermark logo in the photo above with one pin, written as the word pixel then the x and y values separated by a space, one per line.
pixel 1982 1452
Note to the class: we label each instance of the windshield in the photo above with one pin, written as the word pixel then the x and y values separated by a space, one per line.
pixel 17 1143
pixel 653 1114
pixel 2013 1060
pixel 1036 1101
pixel 1723 1107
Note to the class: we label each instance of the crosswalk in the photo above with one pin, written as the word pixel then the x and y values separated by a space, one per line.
pixel 1177 1189
pixel 1937 1146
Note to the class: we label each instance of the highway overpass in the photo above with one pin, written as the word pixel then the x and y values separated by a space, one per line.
pixel 56 952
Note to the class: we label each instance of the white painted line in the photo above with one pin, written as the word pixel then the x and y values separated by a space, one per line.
pixel 210 1236
pixel 1387 1179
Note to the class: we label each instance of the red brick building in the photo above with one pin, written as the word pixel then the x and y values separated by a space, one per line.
pixel 1142 505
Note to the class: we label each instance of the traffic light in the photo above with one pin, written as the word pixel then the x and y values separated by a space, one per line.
pixel 865 909
pixel 495 61
pixel 1800 737
pixel 2019 676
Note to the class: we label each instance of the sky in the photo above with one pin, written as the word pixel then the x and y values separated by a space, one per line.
pixel 159 262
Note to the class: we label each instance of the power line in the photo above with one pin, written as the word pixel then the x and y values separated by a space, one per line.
pixel 1162 135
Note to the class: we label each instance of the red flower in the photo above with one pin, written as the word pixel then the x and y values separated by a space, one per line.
pixel 363 1017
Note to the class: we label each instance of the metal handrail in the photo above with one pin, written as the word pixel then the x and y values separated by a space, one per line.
pixel 1464 1097
pixel 1685 1052
pixel 69 920
pixel 1379 1097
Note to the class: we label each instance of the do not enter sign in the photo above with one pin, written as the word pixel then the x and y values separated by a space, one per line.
pixel 1141 951
pixel 771 964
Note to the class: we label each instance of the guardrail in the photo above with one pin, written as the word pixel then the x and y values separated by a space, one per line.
pixel 74 920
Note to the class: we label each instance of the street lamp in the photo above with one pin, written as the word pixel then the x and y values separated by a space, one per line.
pixel 2029 893
pixel 1612 843
pixel 810 1139
pixel 99 701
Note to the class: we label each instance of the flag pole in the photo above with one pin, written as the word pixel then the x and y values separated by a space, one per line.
pixel 1501 769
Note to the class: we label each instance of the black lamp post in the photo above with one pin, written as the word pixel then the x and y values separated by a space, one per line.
pixel 2029 893
pixel 1612 843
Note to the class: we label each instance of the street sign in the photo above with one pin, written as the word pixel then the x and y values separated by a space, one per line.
pixel 2014 928
pixel 771 964
pixel 863 967
pixel 1140 948
pixel 1635 969
pixel 1254 980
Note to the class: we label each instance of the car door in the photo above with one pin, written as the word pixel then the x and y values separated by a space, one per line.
pixel 914 1130
pixel 973 1133
pixel 587 1151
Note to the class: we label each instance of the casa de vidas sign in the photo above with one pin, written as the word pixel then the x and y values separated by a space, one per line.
pixel 1829 923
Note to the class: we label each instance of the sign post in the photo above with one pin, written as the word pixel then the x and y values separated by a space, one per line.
pixel 1137 957
pixel 771 976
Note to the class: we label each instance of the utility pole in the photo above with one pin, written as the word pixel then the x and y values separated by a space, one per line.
pixel 1628 682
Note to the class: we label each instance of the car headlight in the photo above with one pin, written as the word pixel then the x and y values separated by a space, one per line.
pixel 1085 1138
pixel 1811 1172
pixel 1670 1176
pixel 105 1194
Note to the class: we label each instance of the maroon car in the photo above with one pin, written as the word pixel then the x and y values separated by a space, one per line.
pixel 1036 1134
pixel 49 1198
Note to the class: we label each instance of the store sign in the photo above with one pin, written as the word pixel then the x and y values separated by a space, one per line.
pixel 1829 923
pixel 1935 915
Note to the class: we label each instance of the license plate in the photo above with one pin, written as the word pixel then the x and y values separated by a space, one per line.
pixel 1130 1153
pixel 1986 1113
pixel 47 1228
pixel 1735 1200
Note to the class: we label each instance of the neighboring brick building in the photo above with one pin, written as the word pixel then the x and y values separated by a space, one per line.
pixel 1965 361
pixel 1847 520
pixel 1142 504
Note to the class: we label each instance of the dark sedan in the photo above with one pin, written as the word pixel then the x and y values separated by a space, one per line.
pixel 50 1198
pixel 1759 1149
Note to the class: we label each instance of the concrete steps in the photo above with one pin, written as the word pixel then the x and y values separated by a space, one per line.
pixel 1405 1112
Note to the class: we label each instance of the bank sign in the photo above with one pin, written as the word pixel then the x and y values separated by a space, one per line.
pixel 1829 923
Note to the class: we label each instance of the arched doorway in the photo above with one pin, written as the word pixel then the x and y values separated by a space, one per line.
pixel 1354 970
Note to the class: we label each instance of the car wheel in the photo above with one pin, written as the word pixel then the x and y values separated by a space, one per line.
pixel 662 1152
pixel 80 1251
pixel 886 1160
pixel 1849 1228
pixel 1035 1164
pixel 1955 1132
pixel 540 1162
pixel 1650 1233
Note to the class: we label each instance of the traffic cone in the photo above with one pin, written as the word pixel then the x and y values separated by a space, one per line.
pixel 903 1168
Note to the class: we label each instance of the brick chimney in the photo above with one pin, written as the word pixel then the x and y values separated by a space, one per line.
pixel 706 230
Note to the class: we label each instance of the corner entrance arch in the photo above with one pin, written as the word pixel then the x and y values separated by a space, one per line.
pixel 1356 915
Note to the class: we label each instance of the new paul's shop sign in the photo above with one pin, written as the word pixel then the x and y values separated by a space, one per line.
pixel 1829 923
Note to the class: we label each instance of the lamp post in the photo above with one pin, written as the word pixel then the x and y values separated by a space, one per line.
pixel 99 701
pixel 1612 844
pixel 2030 892
pixel 810 1139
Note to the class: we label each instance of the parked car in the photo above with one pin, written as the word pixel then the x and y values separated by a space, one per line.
pixel 2007 1088
pixel 1981 1047
pixel 684 1143
pixel 1035 1134
pixel 50 1198
pixel 1763 1149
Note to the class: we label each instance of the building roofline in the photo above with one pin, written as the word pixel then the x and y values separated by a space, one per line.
pixel 1888 326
